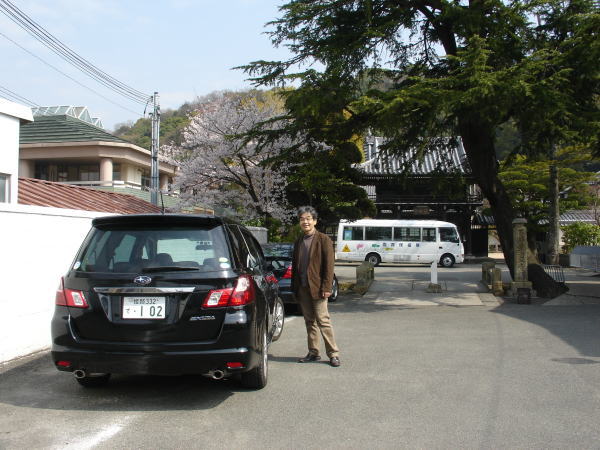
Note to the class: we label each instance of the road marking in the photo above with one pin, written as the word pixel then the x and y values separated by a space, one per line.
pixel 96 439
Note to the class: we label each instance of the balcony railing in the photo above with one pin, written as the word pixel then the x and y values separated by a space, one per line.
pixel 118 184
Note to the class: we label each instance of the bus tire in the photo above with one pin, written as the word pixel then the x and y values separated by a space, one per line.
pixel 373 258
pixel 447 260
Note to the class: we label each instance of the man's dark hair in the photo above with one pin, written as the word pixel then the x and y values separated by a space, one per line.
pixel 307 209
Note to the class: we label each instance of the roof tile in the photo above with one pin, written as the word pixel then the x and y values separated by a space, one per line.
pixel 59 195
pixel 63 129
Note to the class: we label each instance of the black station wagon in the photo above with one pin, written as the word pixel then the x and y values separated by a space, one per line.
pixel 167 294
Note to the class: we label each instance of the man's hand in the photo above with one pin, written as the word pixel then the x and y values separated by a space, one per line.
pixel 326 295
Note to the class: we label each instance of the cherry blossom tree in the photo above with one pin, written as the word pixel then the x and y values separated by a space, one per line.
pixel 223 170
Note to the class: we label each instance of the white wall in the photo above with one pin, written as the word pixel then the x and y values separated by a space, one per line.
pixel 37 245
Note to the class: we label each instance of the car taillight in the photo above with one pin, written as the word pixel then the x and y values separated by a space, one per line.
pixel 242 294
pixel 70 297
pixel 271 279
pixel 288 272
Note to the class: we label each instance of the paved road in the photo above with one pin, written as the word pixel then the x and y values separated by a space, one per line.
pixel 489 376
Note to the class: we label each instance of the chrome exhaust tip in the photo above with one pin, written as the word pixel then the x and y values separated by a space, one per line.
pixel 80 373
pixel 217 374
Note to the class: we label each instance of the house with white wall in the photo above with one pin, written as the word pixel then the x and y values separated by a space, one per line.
pixel 12 116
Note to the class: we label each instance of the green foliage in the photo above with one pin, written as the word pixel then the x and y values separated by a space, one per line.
pixel 325 180
pixel 527 182
pixel 421 71
pixel 580 234
pixel 172 124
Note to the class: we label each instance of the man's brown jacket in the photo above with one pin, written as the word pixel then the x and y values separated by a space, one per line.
pixel 321 262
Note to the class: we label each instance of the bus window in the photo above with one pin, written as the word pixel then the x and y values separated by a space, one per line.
pixel 378 233
pixel 407 234
pixel 353 233
pixel 428 234
pixel 448 234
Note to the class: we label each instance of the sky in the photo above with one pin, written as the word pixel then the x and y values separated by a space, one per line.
pixel 180 48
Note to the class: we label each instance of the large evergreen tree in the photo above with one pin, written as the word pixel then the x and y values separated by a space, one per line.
pixel 420 70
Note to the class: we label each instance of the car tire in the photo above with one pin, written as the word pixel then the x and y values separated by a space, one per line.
pixel 447 260
pixel 278 319
pixel 94 381
pixel 257 378
pixel 373 258
pixel 335 290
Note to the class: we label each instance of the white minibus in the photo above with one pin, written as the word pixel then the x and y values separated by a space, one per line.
pixel 399 241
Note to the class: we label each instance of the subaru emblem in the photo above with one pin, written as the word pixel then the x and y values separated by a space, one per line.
pixel 143 280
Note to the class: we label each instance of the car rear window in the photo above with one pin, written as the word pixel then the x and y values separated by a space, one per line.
pixel 284 250
pixel 153 249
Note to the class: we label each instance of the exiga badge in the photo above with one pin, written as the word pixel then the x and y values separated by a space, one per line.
pixel 197 318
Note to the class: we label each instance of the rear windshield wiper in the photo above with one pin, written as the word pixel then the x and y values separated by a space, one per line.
pixel 167 268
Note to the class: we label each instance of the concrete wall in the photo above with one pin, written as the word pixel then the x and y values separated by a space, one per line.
pixel 37 245
pixel 260 233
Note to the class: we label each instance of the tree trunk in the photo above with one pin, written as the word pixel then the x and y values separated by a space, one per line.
pixel 478 141
pixel 532 253
pixel 554 219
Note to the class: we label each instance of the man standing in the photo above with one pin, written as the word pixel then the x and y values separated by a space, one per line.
pixel 312 279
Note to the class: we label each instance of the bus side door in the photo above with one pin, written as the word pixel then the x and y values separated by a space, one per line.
pixel 428 247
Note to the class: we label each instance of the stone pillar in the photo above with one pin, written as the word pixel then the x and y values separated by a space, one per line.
pixel 26 168
pixel 164 182
pixel 497 287
pixel 520 287
pixel 106 171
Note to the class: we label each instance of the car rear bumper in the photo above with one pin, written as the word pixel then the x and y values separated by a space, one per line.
pixel 154 363
pixel 236 343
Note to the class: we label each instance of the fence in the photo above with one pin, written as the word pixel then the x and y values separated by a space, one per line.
pixel 556 272
pixel 586 257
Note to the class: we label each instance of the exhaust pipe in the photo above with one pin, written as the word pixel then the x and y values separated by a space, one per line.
pixel 216 374
pixel 80 373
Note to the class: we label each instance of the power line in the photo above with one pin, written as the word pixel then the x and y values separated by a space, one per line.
pixel 69 77
pixel 14 96
pixel 42 35
pixel 54 44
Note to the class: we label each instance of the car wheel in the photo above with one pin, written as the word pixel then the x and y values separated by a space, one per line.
pixel 335 290
pixel 92 381
pixel 278 319
pixel 447 260
pixel 373 258
pixel 257 377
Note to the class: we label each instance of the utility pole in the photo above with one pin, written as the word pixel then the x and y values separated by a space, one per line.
pixel 154 180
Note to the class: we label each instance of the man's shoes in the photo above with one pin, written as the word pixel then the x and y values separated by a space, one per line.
pixel 309 358
pixel 334 362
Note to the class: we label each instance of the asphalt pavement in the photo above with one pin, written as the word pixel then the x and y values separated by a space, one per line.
pixel 430 375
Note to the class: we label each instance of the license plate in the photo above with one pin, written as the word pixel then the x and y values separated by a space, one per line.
pixel 144 308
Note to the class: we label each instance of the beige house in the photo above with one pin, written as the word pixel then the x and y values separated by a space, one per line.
pixel 65 144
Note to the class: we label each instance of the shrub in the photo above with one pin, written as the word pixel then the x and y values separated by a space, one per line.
pixel 580 233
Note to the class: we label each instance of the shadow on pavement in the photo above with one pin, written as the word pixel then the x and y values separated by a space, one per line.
pixel 37 384
pixel 578 326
